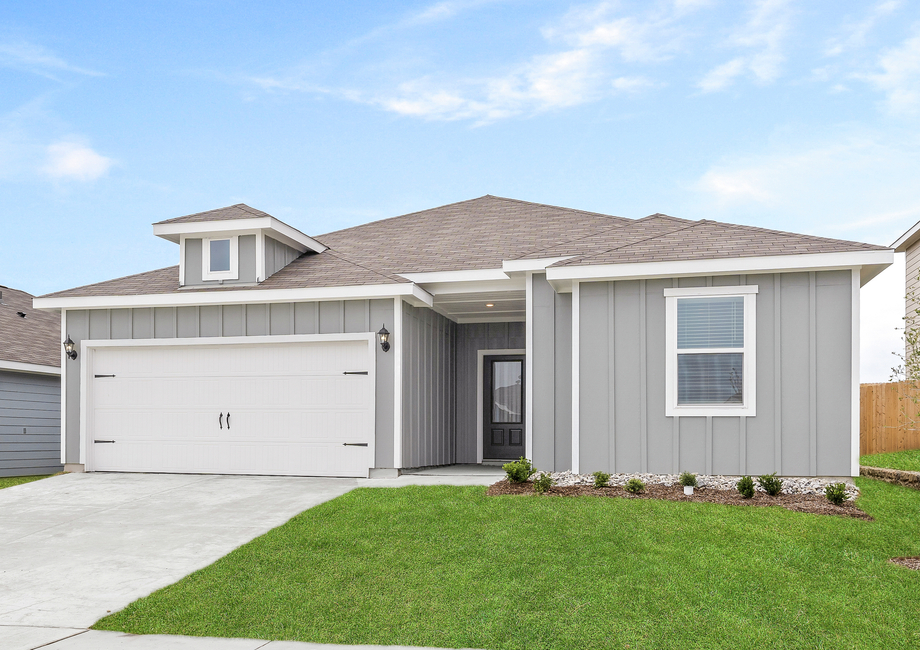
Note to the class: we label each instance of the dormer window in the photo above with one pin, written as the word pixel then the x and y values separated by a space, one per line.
pixel 220 258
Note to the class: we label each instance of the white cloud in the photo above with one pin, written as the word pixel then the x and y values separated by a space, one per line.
pixel 38 60
pixel 854 34
pixel 900 76
pixel 71 160
pixel 764 32
pixel 633 84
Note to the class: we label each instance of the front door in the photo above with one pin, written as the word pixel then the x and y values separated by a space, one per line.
pixel 503 407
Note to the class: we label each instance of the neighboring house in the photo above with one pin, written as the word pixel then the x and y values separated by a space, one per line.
pixel 30 387
pixel 580 340
pixel 909 244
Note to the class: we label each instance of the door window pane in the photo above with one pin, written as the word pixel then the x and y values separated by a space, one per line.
pixel 506 391
pixel 716 322
pixel 220 254
pixel 709 378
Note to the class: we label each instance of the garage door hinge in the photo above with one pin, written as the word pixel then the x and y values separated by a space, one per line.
pixel 109 441
pixel 354 444
pixel 97 376
pixel 355 372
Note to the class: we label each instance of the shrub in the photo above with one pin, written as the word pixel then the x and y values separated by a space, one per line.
pixel 836 493
pixel 771 484
pixel 746 487
pixel 634 486
pixel 543 483
pixel 687 479
pixel 600 479
pixel 518 471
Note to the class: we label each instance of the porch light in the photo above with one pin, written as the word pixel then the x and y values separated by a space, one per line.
pixel 489 304
pixel 384 336
pixel 69 348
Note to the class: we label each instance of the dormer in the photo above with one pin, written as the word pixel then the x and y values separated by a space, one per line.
pixel 237 245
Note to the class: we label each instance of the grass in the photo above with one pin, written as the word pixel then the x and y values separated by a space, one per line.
pixel 10 481
pixel 450 567
pixel 904 460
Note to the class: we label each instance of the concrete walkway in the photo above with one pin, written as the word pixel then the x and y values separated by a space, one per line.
pixel 76 547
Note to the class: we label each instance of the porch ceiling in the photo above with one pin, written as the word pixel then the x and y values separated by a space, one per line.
pixel 472 307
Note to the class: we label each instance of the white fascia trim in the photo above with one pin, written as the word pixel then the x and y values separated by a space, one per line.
pixel 528 367
pixel 730 266
pixel 905 240
pixel 481 286
pixel 456 276
pixel 281 231
pixel 854 376
pixel 517 266
pixel 413 293
pixel 34 368
pixel 480 405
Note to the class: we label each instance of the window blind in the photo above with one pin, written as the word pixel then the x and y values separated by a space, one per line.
pixel 716 322
pixel 710 378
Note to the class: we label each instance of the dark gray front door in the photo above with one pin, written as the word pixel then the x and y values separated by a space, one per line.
pixel 503 407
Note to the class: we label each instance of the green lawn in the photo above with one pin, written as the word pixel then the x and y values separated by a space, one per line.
pixel 906 460
pixel 448 566
pixel 19 480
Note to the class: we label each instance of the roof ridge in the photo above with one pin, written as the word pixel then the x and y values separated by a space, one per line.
pixel 124 277
pixel 692 224
pixel 400 216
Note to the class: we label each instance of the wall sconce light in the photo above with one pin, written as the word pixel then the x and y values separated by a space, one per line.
pixel 384 336
pixel 69 348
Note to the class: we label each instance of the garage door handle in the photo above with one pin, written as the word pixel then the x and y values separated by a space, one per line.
pixel 220 420
pixel 98 376
pixel 102 441
pixel 352 444
pixel 228 420
pixel 355 372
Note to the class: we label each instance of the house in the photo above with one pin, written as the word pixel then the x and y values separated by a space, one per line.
pixel 478 331
pixel 909 244
pixel 30 387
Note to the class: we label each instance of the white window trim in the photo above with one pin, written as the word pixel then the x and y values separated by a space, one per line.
pixel 749 374
pixel 234 272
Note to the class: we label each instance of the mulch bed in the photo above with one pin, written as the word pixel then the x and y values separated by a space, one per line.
pixel 811 503
pixel 909 562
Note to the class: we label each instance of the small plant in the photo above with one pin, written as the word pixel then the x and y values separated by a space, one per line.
pixel 519 471
pixel 600 479
pixel 746 487
pixel 543 483
pixel 634 486
pixel 836 493
pixel 687 479
pixel 771 484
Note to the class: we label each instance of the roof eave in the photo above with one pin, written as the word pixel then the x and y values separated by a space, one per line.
pixel 275 228
pixel 908 239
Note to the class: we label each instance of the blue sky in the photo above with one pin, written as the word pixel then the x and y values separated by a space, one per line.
pixel 792 115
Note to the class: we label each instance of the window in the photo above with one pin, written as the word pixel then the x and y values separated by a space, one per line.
pixel 220 258
pixel 710 350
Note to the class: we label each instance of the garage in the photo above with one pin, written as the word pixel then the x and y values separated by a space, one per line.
pixel 301 406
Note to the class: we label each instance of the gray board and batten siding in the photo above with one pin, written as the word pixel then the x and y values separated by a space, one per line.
pixel 325 317
pixel 277 256
pixel 30 424
pixel 802 424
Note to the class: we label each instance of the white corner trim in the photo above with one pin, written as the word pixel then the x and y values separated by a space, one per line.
pixel 64 361
pixel 455 276
pixel 480 405
pixel 397 381
pixel 749 372
pixel 260 256
pixel 182 260
pixel 32 368
pixel 411 292
pixel 233 273
pixel 576 378
pixel 528 367
pixel 854 375
pixel 728 266
pixel 517 266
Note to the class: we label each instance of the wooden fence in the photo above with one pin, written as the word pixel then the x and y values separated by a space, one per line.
pixel 889 418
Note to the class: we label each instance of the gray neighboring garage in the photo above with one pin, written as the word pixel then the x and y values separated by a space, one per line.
pixel 30 387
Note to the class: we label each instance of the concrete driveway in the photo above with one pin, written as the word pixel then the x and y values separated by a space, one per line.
pixel 78 546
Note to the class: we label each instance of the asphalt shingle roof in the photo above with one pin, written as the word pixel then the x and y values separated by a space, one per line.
pixel 480 234
pixel 33 339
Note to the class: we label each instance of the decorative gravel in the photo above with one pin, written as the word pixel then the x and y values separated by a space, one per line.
pixel 791 485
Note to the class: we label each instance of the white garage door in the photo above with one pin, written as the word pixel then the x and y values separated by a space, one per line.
pixel 303 409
